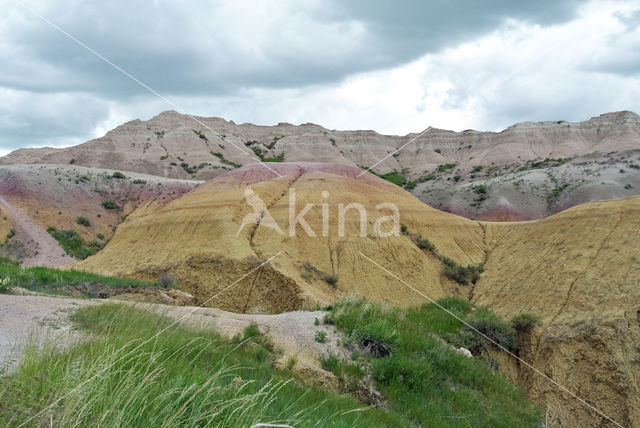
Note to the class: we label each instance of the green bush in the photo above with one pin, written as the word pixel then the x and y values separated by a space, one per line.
pixel 463 275
pixel 425 244
pixel 100 236
pixel 486 322
pixel 118 175
pixel 110 204
pixel 446 167
pixel 524 321
pixel 73 244
pixel 83 221
pixel 404 229
pixel 331 279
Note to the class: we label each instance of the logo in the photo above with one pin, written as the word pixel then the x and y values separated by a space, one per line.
pixel 384 226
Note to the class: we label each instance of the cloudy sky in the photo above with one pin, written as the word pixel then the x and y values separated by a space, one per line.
pixel 396 67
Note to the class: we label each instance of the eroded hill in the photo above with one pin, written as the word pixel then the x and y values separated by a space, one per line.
pixel 577 270
pixel 527 171
pixel 51 215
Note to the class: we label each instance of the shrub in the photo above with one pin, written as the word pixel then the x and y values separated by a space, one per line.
pixel 411 185
pixel 404 229
pixel 456 178
pixel 11 234
pixel 316 321
pixel 524 321
pixel 490 325
pixel 118 175
pixel 100 236
pixel 72 161
pixel 480 189
pixel 331 279
pixel 446 167
pixel 425 244
pixel 83 221
pixel 73 244
pixel 166 280
pixel 110 204
pixel 321 336
pixel 477 168
pixel 463 275
pixel 139 181
pixel 307 275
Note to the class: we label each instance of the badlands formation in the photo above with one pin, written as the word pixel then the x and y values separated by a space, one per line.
pixel 577 270
pixel 529 170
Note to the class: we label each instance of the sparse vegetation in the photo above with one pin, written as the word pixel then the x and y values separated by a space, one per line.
pixel 420 375
pixel 83 221
pixel 110 204
pixel 118 175
pixel 183 376
pixel 331 280
pixel 73 244
pixel 463 275
pixel 54 280
pixel 166 280
pixel 524 321
pixel 446 167
pixel 425 244
pixel 321 336
pixel 225 161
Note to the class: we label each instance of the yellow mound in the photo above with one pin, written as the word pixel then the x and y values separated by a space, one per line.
pixel 577 270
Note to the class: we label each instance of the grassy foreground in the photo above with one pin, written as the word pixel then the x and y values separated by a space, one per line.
pixel 125 376
pixel 54 280
pixel 420 375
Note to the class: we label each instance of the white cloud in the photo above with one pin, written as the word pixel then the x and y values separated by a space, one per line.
pixel 308 62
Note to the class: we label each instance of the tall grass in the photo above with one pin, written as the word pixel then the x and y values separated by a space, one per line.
pixel 46 279
pixel 124 376
pixel 421 376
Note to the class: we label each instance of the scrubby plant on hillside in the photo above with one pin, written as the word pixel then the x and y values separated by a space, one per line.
pixel 463 275
pixel 110 204
pixel 420 375
pixel 331 279
pixel 73 244
pixel 425 244
pixel 524 321
pixel 136 368
pixel 118 175
pixel 83 221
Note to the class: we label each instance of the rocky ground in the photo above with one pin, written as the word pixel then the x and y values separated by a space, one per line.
pixel 36 319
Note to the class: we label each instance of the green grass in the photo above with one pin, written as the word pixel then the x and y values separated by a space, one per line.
pixel 73 244
pixel 423 378
pixel 47 279
pixel 125 375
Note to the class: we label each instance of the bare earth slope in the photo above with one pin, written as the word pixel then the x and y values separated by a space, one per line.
pixel 174 145
pixel 578 270
pixel 35 197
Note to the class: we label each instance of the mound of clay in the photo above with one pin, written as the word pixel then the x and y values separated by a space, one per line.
pixel 577 270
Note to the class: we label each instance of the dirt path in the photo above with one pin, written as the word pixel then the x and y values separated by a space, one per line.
pixel 50 253
pixel 38 318
pixel 46 317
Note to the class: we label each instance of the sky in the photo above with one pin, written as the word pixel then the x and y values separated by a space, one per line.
pixel 394 67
